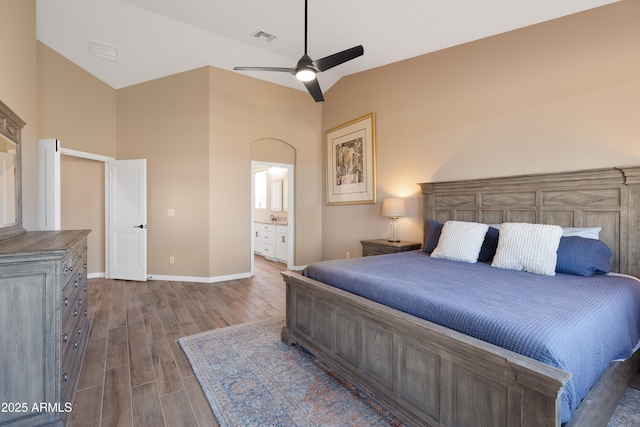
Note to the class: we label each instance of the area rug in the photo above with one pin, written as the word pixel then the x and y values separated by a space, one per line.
pixel 251 378
pixel 628 411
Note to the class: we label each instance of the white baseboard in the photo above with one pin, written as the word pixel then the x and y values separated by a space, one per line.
pixel 196 279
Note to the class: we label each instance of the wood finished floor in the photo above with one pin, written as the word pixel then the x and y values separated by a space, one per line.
pixel 134 372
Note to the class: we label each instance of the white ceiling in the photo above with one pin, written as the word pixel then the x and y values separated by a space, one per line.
pixel 156 38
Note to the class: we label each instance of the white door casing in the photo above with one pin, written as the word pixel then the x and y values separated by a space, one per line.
pixel 126 225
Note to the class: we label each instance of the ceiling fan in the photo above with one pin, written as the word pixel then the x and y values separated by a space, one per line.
pixel 306 68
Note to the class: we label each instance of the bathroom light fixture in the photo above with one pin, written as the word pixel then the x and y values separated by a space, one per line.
pixel 393 208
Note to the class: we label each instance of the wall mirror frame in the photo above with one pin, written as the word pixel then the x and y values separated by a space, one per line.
pixel 11 128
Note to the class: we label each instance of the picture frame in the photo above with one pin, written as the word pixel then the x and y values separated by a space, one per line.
pixel 350 166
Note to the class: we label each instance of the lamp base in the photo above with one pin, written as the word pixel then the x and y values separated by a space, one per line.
pixel 393 234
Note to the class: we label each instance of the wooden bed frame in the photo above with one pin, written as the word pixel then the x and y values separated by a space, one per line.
pixel 430 375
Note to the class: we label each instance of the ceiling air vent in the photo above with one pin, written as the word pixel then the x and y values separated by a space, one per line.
pixel 263 35
pixel 102 50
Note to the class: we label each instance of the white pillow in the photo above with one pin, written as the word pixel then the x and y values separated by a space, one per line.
pixel 460 241
pixel 586 232
pixel 528 247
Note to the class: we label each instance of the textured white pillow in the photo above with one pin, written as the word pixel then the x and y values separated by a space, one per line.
pixel 528 247
pixel 460 241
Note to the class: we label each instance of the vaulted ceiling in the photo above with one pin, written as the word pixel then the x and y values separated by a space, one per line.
pixel 156 38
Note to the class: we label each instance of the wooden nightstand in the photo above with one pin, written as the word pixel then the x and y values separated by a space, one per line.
pixel 383 246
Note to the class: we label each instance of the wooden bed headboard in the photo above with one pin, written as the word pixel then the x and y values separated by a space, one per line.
pixel 607 198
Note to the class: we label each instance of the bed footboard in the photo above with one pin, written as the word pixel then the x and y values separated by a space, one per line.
pixel 424 373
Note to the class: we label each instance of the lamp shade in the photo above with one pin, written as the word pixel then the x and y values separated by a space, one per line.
pixel 394 207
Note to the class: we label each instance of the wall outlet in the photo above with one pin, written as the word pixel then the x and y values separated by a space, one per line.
pixel 171 259
pixel 171 212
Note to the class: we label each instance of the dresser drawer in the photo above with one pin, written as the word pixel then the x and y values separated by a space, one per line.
pixel 73 261
pixel 267 238
pixel 72 358
pixel 264 227
pixel 69 319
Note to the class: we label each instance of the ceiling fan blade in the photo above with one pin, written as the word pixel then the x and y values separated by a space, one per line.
pixel 314 89
pixel 280 69
pixel 338 58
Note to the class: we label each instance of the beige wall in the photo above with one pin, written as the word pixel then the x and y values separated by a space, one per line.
pixel 557 96
pixel 244 110
pixel 18 89
pixel 80 111
pixel 83 204
pixel 196 130
pixel 562 95
pixel 166 121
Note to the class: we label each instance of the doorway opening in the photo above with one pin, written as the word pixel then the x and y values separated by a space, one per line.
pixel 272 216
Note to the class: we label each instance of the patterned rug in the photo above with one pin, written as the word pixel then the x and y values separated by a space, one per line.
pixel 628 412
pixel 251 378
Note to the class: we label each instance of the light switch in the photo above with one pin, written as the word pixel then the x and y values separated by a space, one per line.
pixel 171 212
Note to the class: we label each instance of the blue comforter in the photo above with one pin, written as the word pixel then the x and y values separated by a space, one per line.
pixel 578 324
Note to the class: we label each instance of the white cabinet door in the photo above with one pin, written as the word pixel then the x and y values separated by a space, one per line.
pixel 282 244
pixel 276 195
pixel 257 246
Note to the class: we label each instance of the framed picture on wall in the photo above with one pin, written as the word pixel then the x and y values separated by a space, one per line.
pixel 351 162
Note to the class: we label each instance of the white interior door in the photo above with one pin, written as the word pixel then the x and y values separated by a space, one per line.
pixel 127 219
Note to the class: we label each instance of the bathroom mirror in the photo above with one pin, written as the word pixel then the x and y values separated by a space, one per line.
pixel 10 173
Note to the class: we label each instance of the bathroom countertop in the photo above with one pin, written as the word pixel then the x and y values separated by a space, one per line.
pixel 268 221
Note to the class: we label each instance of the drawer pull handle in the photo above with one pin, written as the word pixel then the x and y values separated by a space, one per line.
pixel 65 337
pixel 66 301
pixel 65 377
pixel 75 345
pixel 79 331
pixel 75 313
pixel 85 313
pixel 75 284
pixel 79 302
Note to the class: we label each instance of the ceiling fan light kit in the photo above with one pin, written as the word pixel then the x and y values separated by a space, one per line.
pixel 305 75
pixel 307 69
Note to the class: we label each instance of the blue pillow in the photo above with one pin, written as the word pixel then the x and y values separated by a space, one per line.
pixel 489 246
pixel 433 235
pixel 583 257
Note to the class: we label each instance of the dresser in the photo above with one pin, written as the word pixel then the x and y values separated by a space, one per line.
pixel 45 327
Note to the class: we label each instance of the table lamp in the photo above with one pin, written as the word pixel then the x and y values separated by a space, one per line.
pixel 393 208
